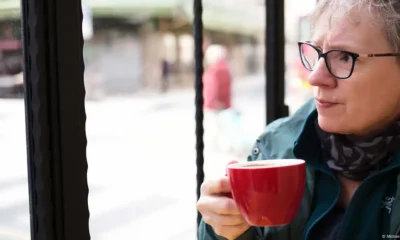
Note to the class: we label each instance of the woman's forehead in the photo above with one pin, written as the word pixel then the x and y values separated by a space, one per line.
pixel 352 29
pixel 335 27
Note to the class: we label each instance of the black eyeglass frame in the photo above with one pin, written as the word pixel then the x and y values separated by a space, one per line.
pixel 353 55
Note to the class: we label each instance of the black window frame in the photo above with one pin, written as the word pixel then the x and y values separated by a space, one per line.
pixel 55 119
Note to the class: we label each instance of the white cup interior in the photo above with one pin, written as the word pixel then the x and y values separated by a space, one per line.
pixel 273 163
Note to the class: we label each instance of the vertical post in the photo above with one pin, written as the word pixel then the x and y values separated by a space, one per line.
pixel 198 38
pixel 275 60
pixel 55 119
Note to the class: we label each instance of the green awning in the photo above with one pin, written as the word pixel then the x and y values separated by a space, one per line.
pixel 107 8
pixel 132 8
pixel 221 17
pixel 9 9
pixel 216 16
pixel 233 18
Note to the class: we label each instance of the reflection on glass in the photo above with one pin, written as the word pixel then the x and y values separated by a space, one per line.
pixel 298 28
pixel 141 115
pixel 14 198
pixel 140 106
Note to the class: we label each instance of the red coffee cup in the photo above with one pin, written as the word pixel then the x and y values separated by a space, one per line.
pixel 268 192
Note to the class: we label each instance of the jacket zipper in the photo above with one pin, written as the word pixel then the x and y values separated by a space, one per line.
pixel 329 209
pixel 351 201
pixel 334 203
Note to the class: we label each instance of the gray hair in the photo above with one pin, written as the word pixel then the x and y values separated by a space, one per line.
pixel 386 13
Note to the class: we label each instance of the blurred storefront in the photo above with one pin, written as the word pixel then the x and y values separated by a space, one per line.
pixel 127 41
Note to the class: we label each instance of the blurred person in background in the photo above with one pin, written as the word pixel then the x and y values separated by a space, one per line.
pixel 217 82
pixel 165 73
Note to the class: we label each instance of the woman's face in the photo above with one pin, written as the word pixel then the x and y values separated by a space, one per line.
pixel 368 100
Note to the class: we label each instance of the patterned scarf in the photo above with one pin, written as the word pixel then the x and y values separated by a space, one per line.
pixel 358 157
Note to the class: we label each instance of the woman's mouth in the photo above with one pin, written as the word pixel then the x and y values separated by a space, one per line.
pixel 324 104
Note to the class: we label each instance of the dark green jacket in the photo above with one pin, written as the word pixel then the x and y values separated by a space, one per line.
pixel 374 211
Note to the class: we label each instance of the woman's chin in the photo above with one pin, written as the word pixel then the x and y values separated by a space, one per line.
pixel 332 125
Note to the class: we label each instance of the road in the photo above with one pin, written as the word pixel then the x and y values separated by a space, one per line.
pixel 141 155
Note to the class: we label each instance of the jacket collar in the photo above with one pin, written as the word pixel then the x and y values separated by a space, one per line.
pixel 308 146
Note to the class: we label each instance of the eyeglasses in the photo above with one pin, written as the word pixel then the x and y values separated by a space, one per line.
pixel 339 63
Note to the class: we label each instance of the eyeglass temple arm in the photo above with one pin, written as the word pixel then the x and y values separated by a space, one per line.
pixel 380 55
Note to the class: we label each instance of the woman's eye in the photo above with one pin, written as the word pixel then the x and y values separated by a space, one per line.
pixel 345 57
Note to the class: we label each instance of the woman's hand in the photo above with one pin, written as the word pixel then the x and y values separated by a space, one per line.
pixel 220 211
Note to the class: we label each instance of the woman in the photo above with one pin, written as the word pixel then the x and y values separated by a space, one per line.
pixel 349 134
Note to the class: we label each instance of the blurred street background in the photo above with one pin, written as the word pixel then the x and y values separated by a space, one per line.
pixel 140 109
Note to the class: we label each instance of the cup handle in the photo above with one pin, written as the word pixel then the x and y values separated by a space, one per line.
pixel 229 195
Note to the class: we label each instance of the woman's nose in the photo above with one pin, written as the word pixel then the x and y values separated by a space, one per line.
pixel 321 77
